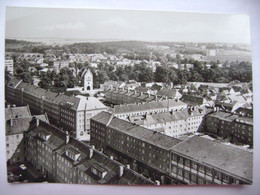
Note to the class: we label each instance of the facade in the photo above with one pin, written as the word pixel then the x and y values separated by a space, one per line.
pixel 88 80
pixel 176 123
pixel 153 154
pixel 9 65
pixel 237 128
pixel 70 112
pixel 64 159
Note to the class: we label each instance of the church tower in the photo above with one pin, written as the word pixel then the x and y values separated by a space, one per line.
pixel 88 80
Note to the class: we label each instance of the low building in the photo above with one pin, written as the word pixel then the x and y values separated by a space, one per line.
pixel 194 100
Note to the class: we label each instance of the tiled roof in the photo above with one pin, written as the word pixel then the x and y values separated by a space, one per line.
pixel 19 125
pixel 102 117
pixel 57 137
pixel 147 106
pixel 89 103
pixel 168 92
pixel 177 115
pixel 226 158
pixel 139 132
pixel 14 82
pixel 224 116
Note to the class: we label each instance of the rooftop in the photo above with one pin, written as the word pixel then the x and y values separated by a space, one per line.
pixel 226 158
pixel 17 112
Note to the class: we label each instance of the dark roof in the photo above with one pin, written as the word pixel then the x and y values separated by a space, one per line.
pixel 229 159
pixel 19 125
pixel 102 117
pixel 139 132
pixel 167 92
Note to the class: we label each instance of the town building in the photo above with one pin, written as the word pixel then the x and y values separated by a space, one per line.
pixel 176 123
pixel 237 128
pixel 202 161
pixel 195 100
pixel 198 160
pixel 17 121
pixel 70 112
pixel 9 65
pixel 64 159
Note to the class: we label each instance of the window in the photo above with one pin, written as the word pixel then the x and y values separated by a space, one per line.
pixel 186 175
pixel 194 165
pixel 187 163
pixel 174 169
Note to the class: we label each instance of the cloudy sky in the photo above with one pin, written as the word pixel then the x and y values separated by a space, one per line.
pixel 94 24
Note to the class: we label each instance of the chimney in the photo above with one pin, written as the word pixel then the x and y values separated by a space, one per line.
pixel 157 182
pixel 14 105
pixel 67 137
pixel 128 166
pixel 91 152
pixel 43 97
pixel 111 157
pixel 121 170
pixel 11 122
pixel 37 122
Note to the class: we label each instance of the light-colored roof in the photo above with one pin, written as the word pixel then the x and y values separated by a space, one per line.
pixel 147 106
pixel 89 103
pixel 17 112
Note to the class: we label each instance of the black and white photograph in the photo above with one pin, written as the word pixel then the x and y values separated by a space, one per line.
pixel 128 97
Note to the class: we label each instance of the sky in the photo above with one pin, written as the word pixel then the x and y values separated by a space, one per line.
pixel 98 24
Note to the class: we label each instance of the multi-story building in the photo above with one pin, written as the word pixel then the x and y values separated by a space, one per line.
pixel 202 161
pixel 70 112
pixel 9 65
pixel 132 110
pixel 66 160
pixel 176 123
pixel 18 120
pixel 154 154
pixel 236 128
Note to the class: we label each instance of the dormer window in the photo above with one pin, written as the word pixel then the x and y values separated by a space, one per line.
pixel 98 170
pixel 72 154
pixel 44 135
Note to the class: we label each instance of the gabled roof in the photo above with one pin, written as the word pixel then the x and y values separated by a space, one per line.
pixel 22 124
pixel 139 132
pixel 168 92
